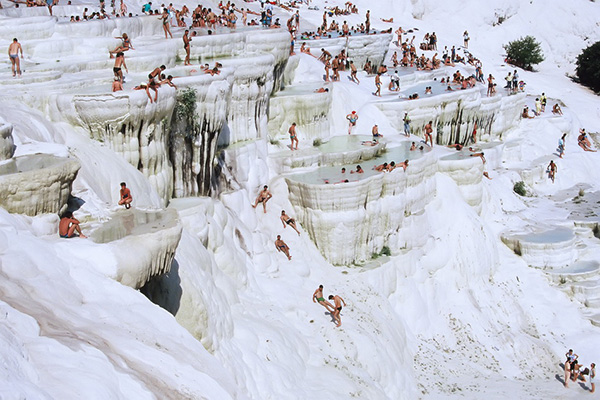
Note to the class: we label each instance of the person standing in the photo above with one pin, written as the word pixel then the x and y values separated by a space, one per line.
pixel 352 118
pixel 337 300
pixel 490 89
pixel 406 121
pixel 165 23
pixel 353 71
pixel 561 145
pixel 552 170
pixel 466 39
pixel 120 62
pixel 378 85
pixel 293 136
pixel 593 378
pixel 428 135
pixel 368 21
pixel 186 46
pixel 13 54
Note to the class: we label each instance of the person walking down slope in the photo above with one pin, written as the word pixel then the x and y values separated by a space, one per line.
pixel 552 169
pixel 337 300
pixel 13 54
pixel 352 118
pixel 561 145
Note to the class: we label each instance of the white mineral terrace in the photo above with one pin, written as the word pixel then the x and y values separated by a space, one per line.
pixel 359 48
pixel 37 183
pixel 549 249
pixel 338 150
pixel 454 285
pixel 142 243
pixel 300 104
pixel 344 218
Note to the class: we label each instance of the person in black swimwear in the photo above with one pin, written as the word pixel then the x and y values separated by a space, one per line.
pixel 337 300
pixel 286 219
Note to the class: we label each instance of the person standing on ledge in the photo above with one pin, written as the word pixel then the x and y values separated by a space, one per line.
pixel 281 246
pixel 406 121
pixel 68 226
pixel 378 85
pixel 13 53
pixel 125 195
pixel 186 47
pixel 293 136
pixel 428 136
pixel 337 300
pixel 319 298
pixel 352 118
pixel 263 197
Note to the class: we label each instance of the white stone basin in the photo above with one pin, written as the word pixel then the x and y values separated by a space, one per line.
pixel 549 249
pixel 142 242
pixel 300 104
pixel 36 184
pixel 345 220
pixel 346 151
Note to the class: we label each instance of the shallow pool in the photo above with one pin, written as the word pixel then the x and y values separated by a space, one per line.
pixel 334 175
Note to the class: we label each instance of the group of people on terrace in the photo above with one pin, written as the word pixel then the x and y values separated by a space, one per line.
pixel 576 372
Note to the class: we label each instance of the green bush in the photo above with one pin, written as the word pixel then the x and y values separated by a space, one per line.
pixel 524 52
pixel 519 188
pixel 317 142
pixel 588 67
pixel 385 251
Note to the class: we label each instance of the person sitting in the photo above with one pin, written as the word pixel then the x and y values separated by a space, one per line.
pixel 556 109
pixel 525 113
pixel 263 196
pixel 404 164
pixel 413 146
pixel 68 226
pixel 583 141
pixel 125 196
pixel 286 219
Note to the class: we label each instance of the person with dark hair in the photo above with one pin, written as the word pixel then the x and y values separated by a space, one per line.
pixel 428 130
pixel 120 62
pixel 186 47
pixel 13 54
pixel 263 197
pixel 125 196
pixel 286 219
pixel 293 136
pixel 318 297
pixel 68 225
pixel 337 300
pixel 280 245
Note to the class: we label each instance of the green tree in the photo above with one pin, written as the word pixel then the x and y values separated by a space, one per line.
pixel 588 67
pixel 524 52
